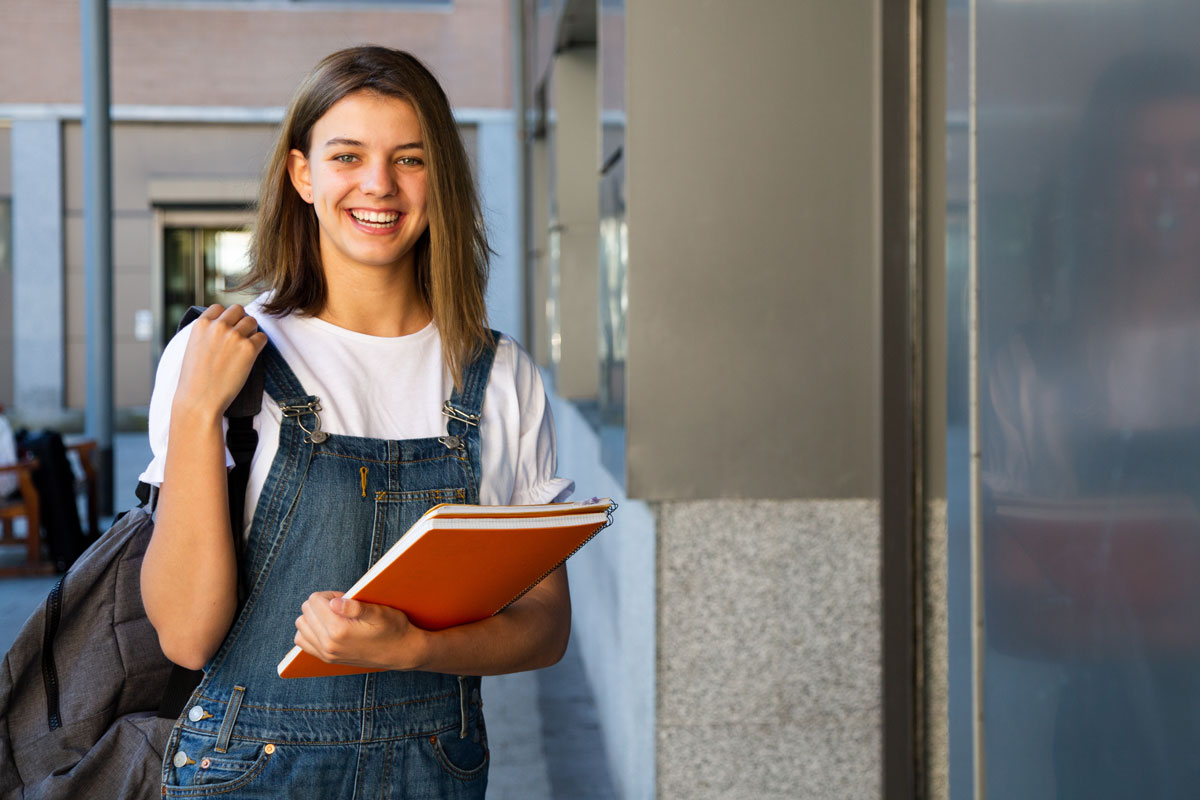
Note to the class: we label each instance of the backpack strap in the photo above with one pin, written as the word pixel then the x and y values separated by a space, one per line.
pixel 242 440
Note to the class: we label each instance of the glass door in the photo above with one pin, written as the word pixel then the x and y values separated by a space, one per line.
pixel 201 266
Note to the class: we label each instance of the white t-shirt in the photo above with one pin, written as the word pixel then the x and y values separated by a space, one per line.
pixel 388 388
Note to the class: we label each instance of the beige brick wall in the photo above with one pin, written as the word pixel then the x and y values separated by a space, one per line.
pixel 233 57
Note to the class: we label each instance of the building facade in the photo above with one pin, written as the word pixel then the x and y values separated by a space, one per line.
pixel 877 319
pixel 197 90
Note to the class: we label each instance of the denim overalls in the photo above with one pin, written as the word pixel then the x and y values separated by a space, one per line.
pixel 331 506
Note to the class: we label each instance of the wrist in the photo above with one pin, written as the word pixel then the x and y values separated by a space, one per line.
pixel 420 650
pixel 194 413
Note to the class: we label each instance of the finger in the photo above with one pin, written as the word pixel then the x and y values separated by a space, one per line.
pixel 233 314
pixel 259 340
pixel 319 615
pixel 316 599
pixel 213 311
pixel 314 626
pixel 345 607
pixel 247 326
pixel 305 639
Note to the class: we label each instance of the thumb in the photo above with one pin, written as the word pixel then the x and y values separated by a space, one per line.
pixel 345 607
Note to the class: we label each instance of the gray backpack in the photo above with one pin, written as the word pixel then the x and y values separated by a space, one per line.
pixel 80 688
pixel 87 698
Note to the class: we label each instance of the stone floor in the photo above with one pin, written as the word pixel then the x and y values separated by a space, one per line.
pixel 542 726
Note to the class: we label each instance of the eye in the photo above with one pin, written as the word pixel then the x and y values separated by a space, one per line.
pixel 409 161
pixel 345 158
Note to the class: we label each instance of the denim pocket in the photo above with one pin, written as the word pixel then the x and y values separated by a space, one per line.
pixel 211 770
pixel 463 758
pixel 202 771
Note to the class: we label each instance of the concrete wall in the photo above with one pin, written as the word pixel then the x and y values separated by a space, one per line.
pixel 613 608
pixel 752 206
pixel 577 203
pixel 494 143
pixel 37 289
pixel 6 321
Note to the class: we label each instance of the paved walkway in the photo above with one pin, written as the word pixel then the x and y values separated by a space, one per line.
pixel 542 726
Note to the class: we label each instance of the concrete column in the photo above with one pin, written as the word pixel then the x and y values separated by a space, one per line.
pixel 38 275
pixel 577 192
pixel 768 649
pixel 539 256
pixel 499 191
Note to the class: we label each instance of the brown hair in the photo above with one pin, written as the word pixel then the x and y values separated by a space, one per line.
pixel 451 257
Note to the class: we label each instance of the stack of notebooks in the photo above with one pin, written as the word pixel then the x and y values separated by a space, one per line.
pixel 460 564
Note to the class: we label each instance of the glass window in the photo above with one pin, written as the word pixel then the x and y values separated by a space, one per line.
pixel 1085 229
pixel 202 266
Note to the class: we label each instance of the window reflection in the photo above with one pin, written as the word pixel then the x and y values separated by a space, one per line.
pixel 1091 433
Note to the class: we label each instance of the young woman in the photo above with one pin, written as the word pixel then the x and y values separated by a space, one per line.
pixel 385 394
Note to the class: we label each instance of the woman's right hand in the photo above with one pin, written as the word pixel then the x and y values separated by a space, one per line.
pixel 221 349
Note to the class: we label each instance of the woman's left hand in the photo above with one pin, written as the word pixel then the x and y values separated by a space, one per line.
pixel 343 631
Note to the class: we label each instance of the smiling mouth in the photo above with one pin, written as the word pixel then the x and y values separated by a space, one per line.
pixel 379 220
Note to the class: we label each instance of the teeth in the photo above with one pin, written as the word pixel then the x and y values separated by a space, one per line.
pixel 379 217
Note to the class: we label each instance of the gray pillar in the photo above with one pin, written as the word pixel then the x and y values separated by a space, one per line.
pixel 577 192
pixel 500 196
pixel 39 317
pixel 97 220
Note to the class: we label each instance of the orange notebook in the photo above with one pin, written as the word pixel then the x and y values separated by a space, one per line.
pixel 460 563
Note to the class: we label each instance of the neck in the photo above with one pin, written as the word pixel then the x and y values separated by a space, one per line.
pixel 375 301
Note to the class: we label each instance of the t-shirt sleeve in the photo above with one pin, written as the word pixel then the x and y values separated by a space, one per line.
pixel 166 379
pixel 535 480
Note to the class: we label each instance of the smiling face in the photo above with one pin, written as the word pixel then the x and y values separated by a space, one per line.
pixel 1160 188
pixel 364 176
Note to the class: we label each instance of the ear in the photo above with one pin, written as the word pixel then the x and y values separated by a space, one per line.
pixel 301 175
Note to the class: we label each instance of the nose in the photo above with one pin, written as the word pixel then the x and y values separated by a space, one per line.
pixel 377 179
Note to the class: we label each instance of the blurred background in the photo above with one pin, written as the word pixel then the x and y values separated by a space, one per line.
pixel 880 320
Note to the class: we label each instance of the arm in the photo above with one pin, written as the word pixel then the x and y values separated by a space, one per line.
pixel 530 634
pixel 189 574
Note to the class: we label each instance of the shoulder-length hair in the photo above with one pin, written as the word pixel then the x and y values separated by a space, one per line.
pixel 451 257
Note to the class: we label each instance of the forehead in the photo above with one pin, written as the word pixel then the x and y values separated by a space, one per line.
pixel 370 118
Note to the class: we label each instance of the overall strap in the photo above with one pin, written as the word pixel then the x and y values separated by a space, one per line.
pixel 464 409
pixel 280 382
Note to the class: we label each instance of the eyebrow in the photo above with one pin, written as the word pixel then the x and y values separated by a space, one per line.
pixel 339 141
